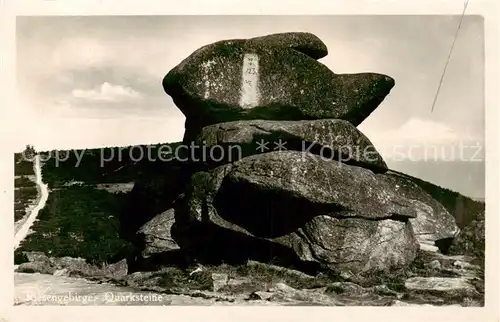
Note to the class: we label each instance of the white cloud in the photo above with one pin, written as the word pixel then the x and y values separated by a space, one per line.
pixel 413 131
pixel 418 139
pixel 107 92
pixel 418 130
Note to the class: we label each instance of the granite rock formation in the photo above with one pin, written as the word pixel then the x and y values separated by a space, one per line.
pixel 330 207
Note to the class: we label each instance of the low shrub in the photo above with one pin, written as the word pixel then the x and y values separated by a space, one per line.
pixel 23 181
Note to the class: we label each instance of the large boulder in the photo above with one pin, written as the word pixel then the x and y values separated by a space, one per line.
pixel 336 139
pixel 457 286
pixel 272 78
pixel 298 183
pixel 156 189
pixel 297 208
pixel 354 244
pixel 156 234
pixel 433 224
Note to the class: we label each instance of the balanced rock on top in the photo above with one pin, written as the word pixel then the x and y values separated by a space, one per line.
pixel 275 77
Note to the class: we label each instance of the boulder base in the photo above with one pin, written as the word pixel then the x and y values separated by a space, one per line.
pixel 299 211
pixel 433 222
pixel 156 234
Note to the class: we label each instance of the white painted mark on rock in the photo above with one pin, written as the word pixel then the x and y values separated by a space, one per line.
pixel 207 70
pixel 250 81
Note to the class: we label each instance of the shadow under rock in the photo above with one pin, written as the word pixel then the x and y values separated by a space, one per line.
pixel 217 245
pixel 263 212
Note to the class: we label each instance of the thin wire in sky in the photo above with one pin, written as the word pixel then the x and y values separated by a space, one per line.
pixel 449 56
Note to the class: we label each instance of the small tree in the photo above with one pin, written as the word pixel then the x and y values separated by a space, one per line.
pixel 29 153
pixel 460 211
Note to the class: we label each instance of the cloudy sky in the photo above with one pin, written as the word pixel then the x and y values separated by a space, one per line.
pixel 96 81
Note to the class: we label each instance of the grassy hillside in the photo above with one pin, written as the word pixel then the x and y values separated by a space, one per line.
pixel 25 189
pixel 82 220
pixel 22 167
pixel 79 222
pixel 23 197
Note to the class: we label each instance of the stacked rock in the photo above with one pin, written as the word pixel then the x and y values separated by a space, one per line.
pixel 295 181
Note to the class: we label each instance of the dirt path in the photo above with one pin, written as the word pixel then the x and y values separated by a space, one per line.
pixel 43 191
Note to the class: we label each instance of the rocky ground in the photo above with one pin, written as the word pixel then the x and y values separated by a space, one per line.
pixel 434 279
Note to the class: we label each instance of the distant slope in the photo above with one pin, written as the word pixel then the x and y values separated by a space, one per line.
pixel 466 177
pixel 463 208
pixel 25 190
pixel 107 165
pixel 22 167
